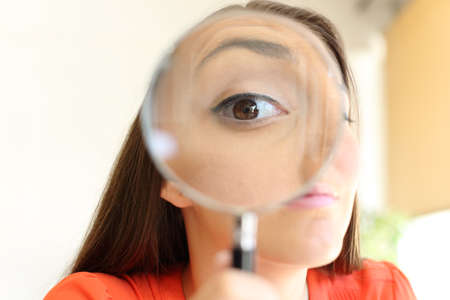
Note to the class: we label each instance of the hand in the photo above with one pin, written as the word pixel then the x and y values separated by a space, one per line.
pixel 234 284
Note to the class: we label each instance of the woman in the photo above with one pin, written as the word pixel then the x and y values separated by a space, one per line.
pixel 148 241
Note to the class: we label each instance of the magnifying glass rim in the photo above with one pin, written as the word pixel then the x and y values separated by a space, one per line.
pixel 146 119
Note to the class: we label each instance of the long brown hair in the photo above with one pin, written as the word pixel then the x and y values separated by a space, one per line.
pixel 134 230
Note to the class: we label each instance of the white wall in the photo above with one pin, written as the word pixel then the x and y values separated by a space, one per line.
pixel 423 250
pixel 72 76
pixel 368 68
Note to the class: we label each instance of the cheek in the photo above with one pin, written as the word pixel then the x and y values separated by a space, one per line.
pixel 346 160
pixel 315 237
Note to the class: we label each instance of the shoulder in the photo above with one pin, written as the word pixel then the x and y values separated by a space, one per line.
pixel 375 280
pixel 383 275
pixel 97 286
pixel 101 286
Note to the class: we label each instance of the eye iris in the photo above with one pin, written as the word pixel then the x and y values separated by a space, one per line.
pixel 245 110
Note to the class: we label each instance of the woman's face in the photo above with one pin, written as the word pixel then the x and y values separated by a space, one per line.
pixel 234 94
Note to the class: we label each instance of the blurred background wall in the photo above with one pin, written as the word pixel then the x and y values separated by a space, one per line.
pixel 418 118
pixel 418 107
pixel 73 74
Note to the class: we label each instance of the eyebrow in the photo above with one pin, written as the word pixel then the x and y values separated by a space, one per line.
pixel 265 48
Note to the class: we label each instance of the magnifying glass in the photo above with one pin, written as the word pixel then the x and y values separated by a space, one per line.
pixel 256 117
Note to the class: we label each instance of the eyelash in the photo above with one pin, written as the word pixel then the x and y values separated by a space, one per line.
pixel 226 103
pixel 234 98
pixel 348 119
pixel 268 110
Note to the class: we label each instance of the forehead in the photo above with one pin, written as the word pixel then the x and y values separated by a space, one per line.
pixel 235 24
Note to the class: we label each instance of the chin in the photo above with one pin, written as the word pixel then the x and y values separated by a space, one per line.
pixel 301 242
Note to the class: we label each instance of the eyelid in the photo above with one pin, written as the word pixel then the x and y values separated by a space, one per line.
pixel 229 100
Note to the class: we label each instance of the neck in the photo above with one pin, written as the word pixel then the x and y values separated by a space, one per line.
pixel 289 280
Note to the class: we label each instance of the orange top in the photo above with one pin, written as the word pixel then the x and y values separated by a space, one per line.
pixel 376 280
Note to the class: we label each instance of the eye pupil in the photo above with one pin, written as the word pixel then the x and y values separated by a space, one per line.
pixel 245 109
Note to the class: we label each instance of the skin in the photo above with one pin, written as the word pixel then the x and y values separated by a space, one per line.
pixel 310 237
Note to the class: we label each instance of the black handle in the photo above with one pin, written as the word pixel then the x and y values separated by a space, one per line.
pixel 243 259
pixel 245 242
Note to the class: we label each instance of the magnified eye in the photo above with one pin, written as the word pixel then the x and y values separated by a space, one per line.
pixel 248 107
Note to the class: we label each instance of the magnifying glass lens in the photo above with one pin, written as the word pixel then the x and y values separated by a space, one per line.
pixel 246 122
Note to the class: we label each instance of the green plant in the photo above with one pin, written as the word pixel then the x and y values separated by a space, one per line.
pixel 380 233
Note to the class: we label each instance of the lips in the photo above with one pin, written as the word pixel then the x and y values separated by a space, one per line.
pixel 320 195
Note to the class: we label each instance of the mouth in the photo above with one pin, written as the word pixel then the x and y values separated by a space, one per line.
pixel 321 195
